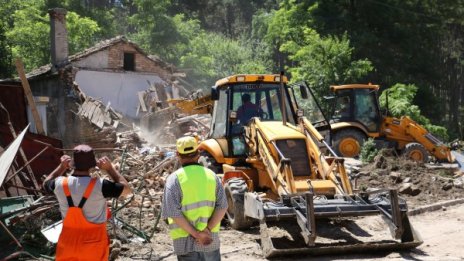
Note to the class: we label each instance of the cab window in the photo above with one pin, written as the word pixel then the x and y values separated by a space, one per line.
pixel 218 130
pixel 365 111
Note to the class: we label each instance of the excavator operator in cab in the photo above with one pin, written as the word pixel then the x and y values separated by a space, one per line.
pixel 247 110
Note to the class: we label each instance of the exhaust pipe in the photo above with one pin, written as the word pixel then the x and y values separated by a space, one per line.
pixel 282 102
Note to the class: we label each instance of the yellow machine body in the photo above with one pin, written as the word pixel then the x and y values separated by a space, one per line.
pixel 404 134
pixel 273 168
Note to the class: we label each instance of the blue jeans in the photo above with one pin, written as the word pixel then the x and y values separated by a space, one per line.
pixel 201 256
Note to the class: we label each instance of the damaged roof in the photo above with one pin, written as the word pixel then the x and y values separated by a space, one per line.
pixel 46 69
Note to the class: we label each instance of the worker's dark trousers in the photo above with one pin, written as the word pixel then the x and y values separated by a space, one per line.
pixel 201 256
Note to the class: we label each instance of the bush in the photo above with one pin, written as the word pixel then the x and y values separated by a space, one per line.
pixel 400 100
pixel 368 151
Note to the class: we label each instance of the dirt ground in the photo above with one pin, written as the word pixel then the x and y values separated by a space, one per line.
pixel 441 232
pixel 419 184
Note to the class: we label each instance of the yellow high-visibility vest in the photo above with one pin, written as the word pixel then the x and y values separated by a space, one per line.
pixel 198 185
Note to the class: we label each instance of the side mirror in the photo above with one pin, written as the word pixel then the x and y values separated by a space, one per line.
pixel 303 92
pixel 214 93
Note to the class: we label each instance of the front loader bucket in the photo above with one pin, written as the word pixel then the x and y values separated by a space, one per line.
pixel 284 238
pixel 337 226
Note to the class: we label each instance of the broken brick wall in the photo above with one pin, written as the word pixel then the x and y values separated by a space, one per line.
pixel 61 102
pixel 62 121
pixel 142 62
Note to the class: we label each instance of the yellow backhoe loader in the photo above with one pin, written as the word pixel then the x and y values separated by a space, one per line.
pixel 356 116
pixel 275 174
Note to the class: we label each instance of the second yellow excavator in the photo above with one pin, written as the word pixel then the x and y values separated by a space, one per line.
pixel 356 116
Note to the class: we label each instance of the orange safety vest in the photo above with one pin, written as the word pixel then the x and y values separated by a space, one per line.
pixel 81 240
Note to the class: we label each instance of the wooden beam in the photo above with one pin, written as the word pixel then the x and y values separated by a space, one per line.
pixel 30 98
pixel 141 96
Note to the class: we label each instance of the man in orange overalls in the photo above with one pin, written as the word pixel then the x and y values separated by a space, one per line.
pixel 84 236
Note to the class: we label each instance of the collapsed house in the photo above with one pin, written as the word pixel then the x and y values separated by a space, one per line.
pixel 83 98
pixel 114 75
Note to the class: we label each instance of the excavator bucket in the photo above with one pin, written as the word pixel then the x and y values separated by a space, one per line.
pixel 336 226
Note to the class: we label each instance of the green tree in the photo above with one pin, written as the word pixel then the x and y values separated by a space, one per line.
pixel 111 16
pixel 154 29
pixel 400 103
pixel 319 60
pixel 324 61
pixel 5 54
pixel 411 41
pixel 210 56
pixel 230 18
pixel 30 35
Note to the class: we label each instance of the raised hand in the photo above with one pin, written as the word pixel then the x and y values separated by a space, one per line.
pixel 104 163
pixel 65 162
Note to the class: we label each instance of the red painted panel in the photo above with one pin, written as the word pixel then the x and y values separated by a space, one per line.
pixel 43 164
pixel 12 98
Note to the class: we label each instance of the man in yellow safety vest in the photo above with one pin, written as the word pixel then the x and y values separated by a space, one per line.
pixel 194 203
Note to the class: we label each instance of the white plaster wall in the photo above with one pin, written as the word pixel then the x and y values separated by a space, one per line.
pixel 42 109
pixel 118 88
pixel 97 60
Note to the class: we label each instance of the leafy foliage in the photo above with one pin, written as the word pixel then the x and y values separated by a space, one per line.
pixel 400 97
pixel 153 29
pixel 368 151
pixel 5 52
pixel 319 60
pixel 322 42
pixel 324 61
pixel 418 42
pixel 211 56
pixel 30 35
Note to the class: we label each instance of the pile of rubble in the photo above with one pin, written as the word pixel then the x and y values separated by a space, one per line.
pixel 419 183
pixel 192 125
pixel 145 157
pixel 146 167
pixel 177 126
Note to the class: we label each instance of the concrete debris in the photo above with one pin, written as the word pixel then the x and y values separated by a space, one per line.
pixel 447 186
pixel 459 182
pixel 396 176
pixel 409 189
pixel 180 125
pixel 380 162
pixel 192 125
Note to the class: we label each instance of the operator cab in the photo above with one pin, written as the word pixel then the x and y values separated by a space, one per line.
pixel 356 103
pixel 239 98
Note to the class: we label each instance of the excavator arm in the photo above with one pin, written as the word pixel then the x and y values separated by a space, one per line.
pixel 328 167
pixel 194 105
pixel 405 130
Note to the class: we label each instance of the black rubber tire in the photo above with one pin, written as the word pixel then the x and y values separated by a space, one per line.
pixel 416 152
pixel 209 162
pixel 235 189
pixel 352 134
